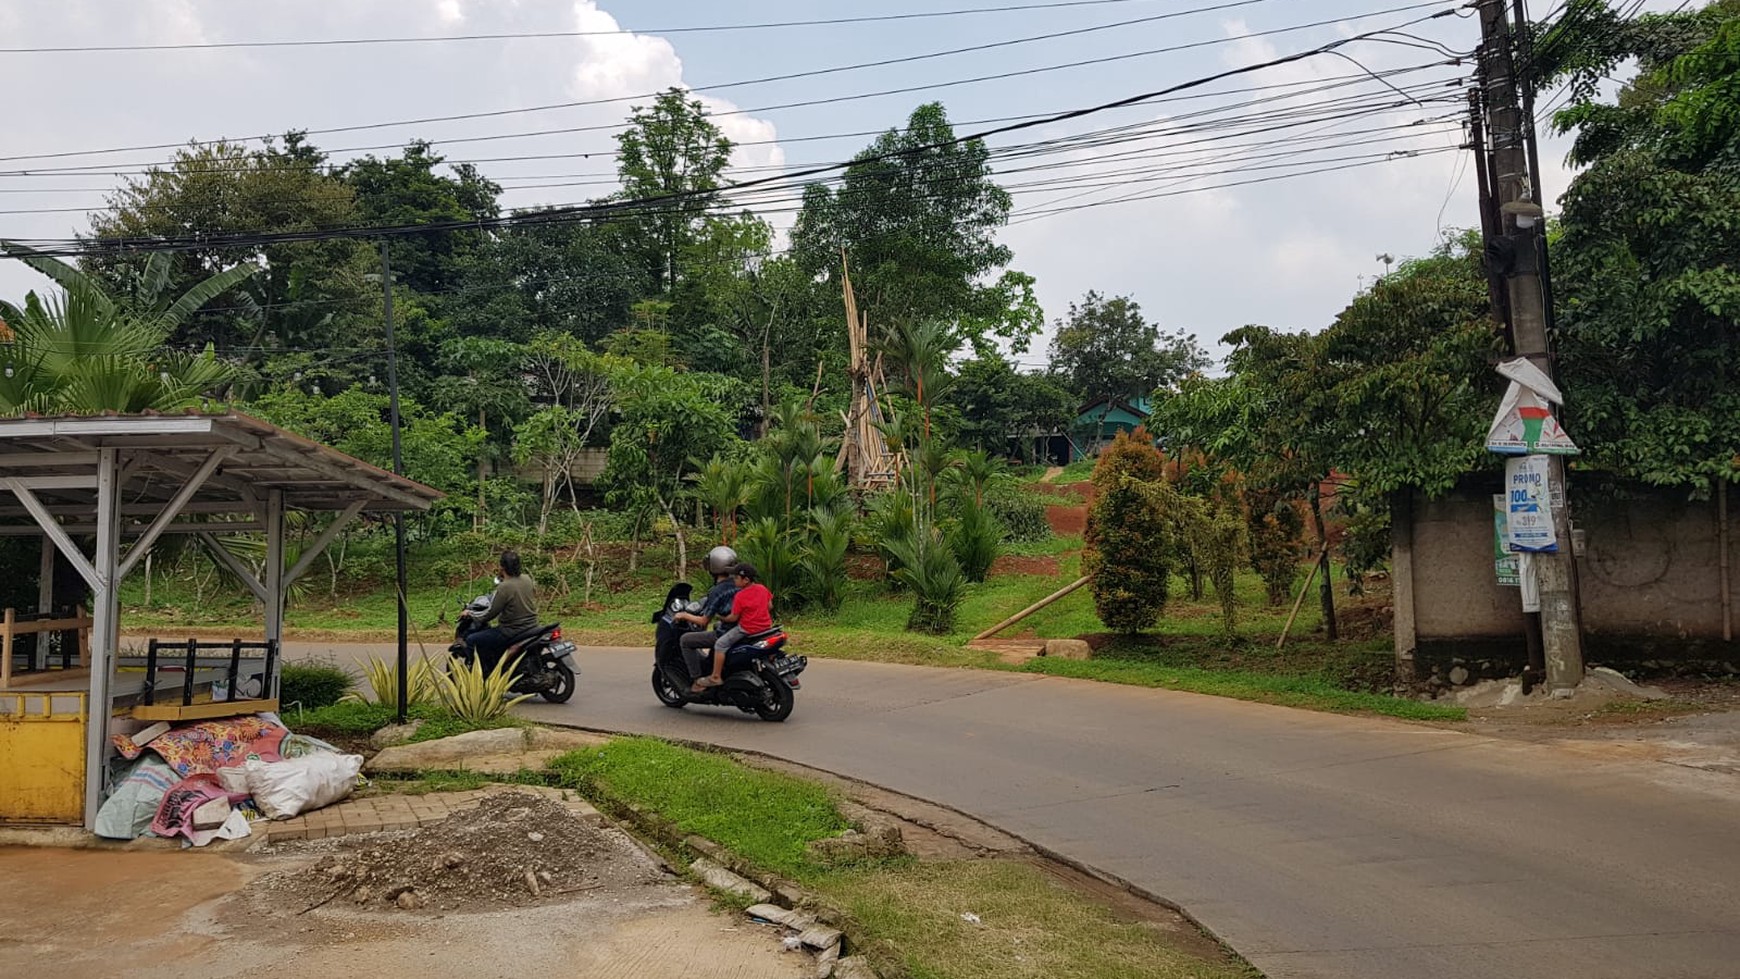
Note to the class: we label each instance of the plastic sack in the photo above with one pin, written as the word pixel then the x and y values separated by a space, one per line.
pixel 287 789
pixel 234 779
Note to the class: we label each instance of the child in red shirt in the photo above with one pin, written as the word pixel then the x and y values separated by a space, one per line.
pixel 751 613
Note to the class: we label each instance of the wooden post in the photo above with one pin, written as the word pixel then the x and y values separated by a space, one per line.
pixel 1301 599
pixel 6 651
pixel 1036 606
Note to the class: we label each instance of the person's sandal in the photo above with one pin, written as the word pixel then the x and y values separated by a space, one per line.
pixel 705 683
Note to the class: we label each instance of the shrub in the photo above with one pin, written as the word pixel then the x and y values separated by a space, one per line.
pixel 823 563
pixel 892 517
pixel 929 569
pixel 477 698
pixel 1131 454
pixel 1129 538
pixel 976 540
pixel 1277 531
pixel 776 558
pixel 313 685
pixel 1021 512
pixel 383 680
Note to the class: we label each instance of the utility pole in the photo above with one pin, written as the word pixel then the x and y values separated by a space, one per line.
pixel 1517 251
pixel 398 470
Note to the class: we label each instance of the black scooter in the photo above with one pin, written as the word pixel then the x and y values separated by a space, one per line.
pixel 759 677
pixel 545 665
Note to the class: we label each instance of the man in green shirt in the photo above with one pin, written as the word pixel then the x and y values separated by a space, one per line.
pixel 515 605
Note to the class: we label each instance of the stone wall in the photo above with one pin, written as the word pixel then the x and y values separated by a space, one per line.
pixel 1648 573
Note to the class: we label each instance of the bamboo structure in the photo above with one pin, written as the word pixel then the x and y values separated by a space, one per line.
pixel 864 455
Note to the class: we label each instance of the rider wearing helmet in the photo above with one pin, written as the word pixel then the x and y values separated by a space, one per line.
pixel 720 562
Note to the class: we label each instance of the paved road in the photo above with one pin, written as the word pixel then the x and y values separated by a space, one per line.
pixel 1318 846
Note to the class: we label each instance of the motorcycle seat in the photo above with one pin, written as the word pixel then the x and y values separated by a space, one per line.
pixel 532 634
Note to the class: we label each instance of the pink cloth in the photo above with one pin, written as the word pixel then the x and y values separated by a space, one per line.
pixel 175 814
pixel 205 747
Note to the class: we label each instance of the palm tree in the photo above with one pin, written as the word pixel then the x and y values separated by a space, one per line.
pixel 723 486
pixel 84 351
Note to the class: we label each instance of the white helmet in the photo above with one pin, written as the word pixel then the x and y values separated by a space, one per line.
pixel 720 560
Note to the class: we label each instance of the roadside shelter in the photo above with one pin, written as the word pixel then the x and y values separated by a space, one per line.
pixel 89 485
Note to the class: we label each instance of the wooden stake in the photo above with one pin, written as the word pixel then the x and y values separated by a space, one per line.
pixel 1029 610
pixel 1301 599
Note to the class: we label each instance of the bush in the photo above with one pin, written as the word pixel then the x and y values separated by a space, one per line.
pixel 313 685
pixel 975 538
pixel 477 698
pixel 776 559
pixel 1021 512
pixel 382 677
pixel 1129 536
pixel 824 561
pixel 929 569
pixel 1277 535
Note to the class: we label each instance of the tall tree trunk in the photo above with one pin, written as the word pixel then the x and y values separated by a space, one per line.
pixel 1326 584
pixel 766 377
pixel 682 540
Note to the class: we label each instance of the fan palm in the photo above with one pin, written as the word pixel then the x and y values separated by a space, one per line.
pixel 84 351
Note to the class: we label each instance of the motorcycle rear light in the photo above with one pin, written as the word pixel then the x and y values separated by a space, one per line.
pixel 557 634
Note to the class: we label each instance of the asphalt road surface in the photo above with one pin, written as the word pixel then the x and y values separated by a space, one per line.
pixel 1317 846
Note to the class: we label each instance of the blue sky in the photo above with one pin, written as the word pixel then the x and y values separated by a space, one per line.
pixel 1288 253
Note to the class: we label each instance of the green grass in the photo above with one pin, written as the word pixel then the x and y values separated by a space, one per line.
pixel 1031 925
pixel 1310 692
pixel 766 817
pixel 359 720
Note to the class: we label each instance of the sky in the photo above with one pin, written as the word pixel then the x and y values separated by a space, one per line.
pixel 1198 255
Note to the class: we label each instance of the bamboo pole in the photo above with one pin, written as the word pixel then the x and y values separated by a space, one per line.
pixel 1301 599
pixel 1029 610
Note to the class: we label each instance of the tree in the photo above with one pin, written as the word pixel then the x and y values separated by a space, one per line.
pixel 1104 348
pixel 667 422
pixel 917 214
pixel 85 351
pixel 544 278
pixel 999 404
pixel 305 295
pixel 485 380
pixel 674 154
pixel 1644 261
pixel 406 190
pixel 1129 543
pixel 438 447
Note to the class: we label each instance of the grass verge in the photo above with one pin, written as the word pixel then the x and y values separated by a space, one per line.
pixel 353 720
pixel 1030 925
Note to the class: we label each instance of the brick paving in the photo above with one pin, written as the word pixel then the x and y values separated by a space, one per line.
pixel 378 813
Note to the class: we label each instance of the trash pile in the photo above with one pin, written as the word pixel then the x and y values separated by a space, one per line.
pixel 209 780
pixel 512 849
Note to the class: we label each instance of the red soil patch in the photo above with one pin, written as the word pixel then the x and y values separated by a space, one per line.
pixel 1012 564
pixel 1066 520
pixel 864 567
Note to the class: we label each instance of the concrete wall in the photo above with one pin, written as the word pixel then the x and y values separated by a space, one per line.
pixel 1648 574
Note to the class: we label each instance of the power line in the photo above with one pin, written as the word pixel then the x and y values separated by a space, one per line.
pixel 535 35
pixel 805 103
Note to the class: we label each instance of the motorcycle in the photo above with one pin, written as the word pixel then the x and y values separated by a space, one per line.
pixel 543 661
pixel 759 677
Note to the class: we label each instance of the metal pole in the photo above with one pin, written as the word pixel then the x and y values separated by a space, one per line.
pixel 105 630
pixel 1561 633
pixel 398 470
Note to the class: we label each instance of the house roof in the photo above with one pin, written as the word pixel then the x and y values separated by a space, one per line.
pixel 1138 407
pixel 57 458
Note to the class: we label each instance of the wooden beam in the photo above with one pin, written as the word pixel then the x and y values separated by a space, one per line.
pixel 184 527
pixel 172 510
pixel 54 482
pixel 354 478
pixel 1029 610
pixel 177 467
pixel 319 544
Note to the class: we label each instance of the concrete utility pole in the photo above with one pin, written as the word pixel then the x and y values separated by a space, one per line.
pixel 404 693
pixel 1518 252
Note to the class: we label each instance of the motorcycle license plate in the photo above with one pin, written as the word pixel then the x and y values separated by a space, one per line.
pixel 787 665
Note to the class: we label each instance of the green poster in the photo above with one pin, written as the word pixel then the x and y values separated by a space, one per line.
pixel 1504 563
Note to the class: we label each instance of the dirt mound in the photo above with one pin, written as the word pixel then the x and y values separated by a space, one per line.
pixel 1066 520
pixel 1015 564
pixel 514 849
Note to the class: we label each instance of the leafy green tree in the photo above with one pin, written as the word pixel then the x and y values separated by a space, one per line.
pixel 484 379
pixel 306 295
pixel 439 448
pixel 997 403
pixel 668 422
pixel 675 155
pixel 1105 348
pixel 407 190
pixel 86 351
pixel 1644 263
pixel 565 277
pixel 917 215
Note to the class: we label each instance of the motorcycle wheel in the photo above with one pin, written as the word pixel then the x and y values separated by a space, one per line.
pixel 668 695
pixel 564 688
pixel 778 702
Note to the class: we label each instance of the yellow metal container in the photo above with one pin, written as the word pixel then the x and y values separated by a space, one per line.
pixel 42 757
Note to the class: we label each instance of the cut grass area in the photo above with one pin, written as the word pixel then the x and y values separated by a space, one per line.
pixel 1310 692
pixel 910 911
pixel 766 817
pixel 1030 926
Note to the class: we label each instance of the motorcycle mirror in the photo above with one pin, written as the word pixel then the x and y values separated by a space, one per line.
pixel 497 579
